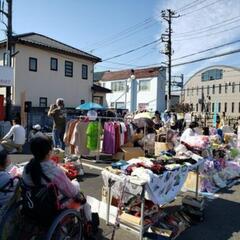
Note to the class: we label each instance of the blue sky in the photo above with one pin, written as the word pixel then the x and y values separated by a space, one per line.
pixel 110 27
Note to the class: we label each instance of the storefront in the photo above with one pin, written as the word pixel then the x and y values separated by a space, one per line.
pixel 6 80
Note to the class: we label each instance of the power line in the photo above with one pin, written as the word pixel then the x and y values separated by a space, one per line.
pixel 206 50
pixel 124 31
pixel 128 63
pixel 222 23
pixel 185 14
pixel 124 36
pixel 123 64
pixel 190 5
pixel 207 58
pixel 206 35
pixel 132 50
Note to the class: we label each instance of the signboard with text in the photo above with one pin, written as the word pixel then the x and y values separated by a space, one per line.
pixel 6 76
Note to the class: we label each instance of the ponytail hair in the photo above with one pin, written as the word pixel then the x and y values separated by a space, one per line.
pixel 40 147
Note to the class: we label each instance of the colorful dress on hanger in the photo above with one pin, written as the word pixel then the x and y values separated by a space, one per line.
pixel 94 131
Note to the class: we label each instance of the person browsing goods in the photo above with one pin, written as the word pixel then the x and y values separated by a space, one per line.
pixel 58 113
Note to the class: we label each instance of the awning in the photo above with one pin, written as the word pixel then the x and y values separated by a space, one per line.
pixel 98 88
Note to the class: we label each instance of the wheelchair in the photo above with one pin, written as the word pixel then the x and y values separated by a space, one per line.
pixel 14 225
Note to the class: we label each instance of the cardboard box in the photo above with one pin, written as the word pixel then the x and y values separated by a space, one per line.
pixel 118 156
pixel 190 183
pixel 128 218
pixel 161 146
pixel 132 152
pixel 128 144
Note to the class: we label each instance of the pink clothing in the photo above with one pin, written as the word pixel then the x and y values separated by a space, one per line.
pixel 57 176
pixel 109 138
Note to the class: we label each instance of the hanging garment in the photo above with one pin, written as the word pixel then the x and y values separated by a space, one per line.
pixel 117 137
pixel 122 133
pixel 79 138
pixel 69 131
pixel 109 138
pixel 94 131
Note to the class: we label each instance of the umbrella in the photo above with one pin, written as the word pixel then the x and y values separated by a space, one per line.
pixel 147 115
pixel 143 122
pixel 89 106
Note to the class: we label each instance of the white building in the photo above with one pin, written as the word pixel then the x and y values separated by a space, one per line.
pixel 214 88
pixel 137 89
pixel 45 69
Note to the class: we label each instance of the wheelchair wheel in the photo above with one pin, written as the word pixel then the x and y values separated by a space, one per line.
pixel 10 224
pixel 66 226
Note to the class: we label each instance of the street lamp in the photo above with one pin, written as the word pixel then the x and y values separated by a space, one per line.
pixel 132 77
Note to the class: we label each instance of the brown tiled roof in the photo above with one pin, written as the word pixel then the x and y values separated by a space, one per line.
pixel 125 74
pixel 40 41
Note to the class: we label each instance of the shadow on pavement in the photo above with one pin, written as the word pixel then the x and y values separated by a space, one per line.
pixel 221 222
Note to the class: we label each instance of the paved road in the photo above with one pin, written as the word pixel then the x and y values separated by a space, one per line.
pixel 222 216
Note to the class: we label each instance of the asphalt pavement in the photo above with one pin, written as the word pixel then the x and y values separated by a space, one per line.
pixel 222 215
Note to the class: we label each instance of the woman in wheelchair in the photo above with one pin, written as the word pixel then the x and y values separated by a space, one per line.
pixel 7 187
pixel 41 172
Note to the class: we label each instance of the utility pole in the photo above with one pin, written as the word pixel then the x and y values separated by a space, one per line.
pixel 168 15
pixel 8 55
pixel 9 50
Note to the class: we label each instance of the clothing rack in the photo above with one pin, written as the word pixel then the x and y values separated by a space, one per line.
pixel 99 118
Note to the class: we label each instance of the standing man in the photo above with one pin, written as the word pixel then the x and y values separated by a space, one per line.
pixel 58 113
pixel 14 140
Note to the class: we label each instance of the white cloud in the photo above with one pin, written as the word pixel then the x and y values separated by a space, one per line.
pixel 216 13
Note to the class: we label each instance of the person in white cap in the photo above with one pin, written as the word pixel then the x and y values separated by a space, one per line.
pixel 58 113
pixel 36 132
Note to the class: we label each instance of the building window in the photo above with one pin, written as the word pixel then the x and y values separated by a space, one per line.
pixel 232 107
pixel 54 64
pixel 226 87
pixel 120 105
pixel 239 107
pixel 98 99
pixel 233 87
pixel 68 69
pixel 144 85
pixel 212 74
pixel 239 87
pixel 84 71
pixel 225 107
pixel 213 89
pixel 112 105
pixel 118 86
pixel 208 90
pixel 219 107
pixel 197 107
pixel 212 107
pixel 220 88
pixel 42 102
pixel 33 64
pixel 202 90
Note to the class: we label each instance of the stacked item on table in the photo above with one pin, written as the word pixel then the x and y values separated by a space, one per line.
pixel 131 211
pixel 163 177
pixel 220 169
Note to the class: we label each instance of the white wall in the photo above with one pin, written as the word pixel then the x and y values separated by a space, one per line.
pixel 230 75
pixel 142 96
pixel 48 83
